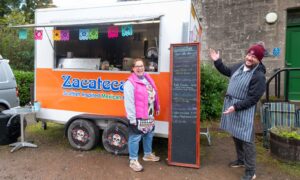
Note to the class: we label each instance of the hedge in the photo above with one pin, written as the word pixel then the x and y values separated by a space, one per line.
pixel 24 80
pixel 213 89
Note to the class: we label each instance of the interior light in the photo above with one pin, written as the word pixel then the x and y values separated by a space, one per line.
pixel 136 22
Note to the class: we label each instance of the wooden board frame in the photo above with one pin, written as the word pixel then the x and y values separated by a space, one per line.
pixel 198 98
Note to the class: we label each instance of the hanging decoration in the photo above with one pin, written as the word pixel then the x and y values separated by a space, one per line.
pixel 127 30
pixel 64 35
pixel 38 34
pixel 83 34
pixel 22 34
pixel 56 35
pixel 93 34
pixel 113 32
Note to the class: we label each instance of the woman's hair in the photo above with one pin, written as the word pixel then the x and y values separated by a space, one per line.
pixel 136 60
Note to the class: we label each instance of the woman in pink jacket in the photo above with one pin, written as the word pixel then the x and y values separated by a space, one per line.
pixel 141 102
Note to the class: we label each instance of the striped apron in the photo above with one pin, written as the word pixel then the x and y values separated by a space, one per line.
pixel 239 123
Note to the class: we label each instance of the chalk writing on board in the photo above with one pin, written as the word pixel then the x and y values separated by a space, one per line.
pixel 184 103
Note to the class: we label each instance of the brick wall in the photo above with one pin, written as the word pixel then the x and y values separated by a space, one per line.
pixel 231 26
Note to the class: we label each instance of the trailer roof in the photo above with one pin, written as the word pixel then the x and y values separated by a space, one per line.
pixel 132 20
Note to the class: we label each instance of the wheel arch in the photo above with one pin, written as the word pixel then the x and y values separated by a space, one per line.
pixel 4 104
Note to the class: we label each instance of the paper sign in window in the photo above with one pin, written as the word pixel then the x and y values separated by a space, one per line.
pixel 38 34
pixel 22 34
pixel 64 35
pixel 127 30
pixel 83 34
pixel 113 32
pixel 93 34
pixel 56 35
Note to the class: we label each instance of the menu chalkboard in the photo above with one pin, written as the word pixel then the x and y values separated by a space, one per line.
pixel 184 128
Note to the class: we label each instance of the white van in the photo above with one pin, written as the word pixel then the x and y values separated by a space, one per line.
pixel 9 96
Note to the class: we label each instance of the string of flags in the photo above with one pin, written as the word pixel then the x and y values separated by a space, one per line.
pixel 83 34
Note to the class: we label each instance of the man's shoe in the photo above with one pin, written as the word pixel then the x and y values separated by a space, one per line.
pixel 248 177
pixel 236 164
pixel 151 157
pixel 135 165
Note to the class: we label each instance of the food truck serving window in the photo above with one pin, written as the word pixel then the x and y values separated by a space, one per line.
pixel 100 47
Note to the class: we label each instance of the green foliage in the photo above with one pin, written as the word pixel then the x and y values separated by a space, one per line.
pixel 213 88
pixel 27 7
pixel 16 12
pixel 263 156
pixel 6 7
pixel 287 132
pixel 24 81
pixel 19 52
pixel 54 134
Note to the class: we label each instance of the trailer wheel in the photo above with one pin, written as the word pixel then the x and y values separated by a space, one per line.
pixel 83 134
pixel 115 138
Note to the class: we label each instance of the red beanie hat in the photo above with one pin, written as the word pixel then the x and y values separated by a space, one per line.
pixel 257 50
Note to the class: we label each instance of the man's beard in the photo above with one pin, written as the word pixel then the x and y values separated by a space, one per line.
pixel 251 66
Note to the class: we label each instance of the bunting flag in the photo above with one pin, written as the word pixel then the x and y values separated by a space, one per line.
pixel 113 32
pixel 83 34
pixel 22 34
pixel 127 30
pixel 93 34
pixel 64 35
pixel 56 35
pixel 38 34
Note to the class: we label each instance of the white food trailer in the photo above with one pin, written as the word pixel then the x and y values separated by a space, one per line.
pixel 83 60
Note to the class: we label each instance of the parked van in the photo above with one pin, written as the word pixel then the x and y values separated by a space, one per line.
pixel 9 96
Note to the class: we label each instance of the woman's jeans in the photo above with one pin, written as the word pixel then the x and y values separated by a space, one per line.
pixel 134 140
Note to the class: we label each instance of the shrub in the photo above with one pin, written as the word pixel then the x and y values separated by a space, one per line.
pixel 287 132
pixel 213 88
pixel 24 80
pixel 19 52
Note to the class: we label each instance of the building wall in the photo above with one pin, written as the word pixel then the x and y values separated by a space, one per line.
pixel 231 26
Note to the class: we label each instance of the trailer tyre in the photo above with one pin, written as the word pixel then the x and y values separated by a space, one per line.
pixel 83 134
pixel 115 138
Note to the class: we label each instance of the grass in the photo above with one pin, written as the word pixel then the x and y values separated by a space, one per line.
pixel 53 135
pixel 263 156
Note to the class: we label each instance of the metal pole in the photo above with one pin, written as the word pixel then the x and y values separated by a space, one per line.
pixel 286 93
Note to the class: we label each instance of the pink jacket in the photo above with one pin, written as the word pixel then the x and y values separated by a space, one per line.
pixel 141 96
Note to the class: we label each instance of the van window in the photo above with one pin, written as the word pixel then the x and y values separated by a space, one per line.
pixel 3 75
pixel 108 54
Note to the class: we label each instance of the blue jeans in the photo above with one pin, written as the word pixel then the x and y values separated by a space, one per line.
pixel 134 141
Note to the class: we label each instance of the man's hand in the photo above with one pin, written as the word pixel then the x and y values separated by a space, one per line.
pixel 229 110
pixel 213 54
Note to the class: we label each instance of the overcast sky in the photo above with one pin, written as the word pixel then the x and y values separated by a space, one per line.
pixel 72 3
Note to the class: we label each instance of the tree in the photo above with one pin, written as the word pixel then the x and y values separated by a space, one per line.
pixel 26 6
pixel 14 12
pixel 19 52
pixel 6 7
pixel 29 6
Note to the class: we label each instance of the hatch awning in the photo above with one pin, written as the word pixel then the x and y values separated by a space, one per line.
pixel 114 20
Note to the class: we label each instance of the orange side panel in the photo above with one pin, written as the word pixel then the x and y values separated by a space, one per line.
pixel 52 94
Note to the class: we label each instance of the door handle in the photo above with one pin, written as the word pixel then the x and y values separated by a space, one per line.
pixel 288 64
